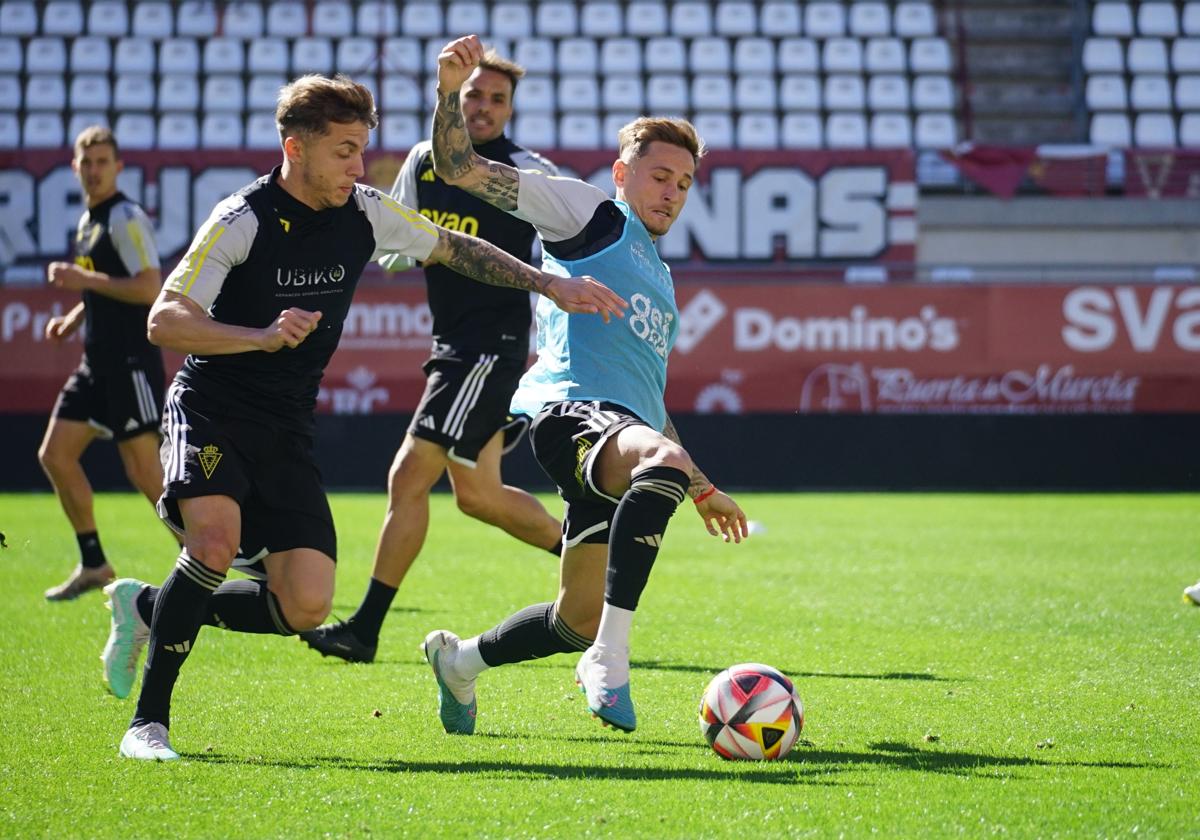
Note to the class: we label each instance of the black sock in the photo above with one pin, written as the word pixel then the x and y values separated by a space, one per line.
pixel 556 549
pixel 179 611
pixel 637 531
pixel 368 619
pixel 91 555
pixel 246 606
pixel 532 633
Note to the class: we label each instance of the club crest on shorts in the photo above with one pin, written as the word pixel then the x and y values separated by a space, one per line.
pixel 209 457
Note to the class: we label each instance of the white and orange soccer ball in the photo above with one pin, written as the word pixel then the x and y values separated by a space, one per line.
pixel 751 711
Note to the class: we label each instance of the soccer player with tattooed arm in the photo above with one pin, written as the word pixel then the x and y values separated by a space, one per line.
pixel 600 427
pixel 258 303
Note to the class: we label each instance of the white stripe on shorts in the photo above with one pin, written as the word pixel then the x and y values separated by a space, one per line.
pixel 467 396
pixel 176 434
pixel 145 398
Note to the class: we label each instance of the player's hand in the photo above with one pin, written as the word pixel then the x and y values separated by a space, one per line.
pixel 59 328
pixel 723 518
pixel 457 61
pixel 289 329
pixel 586 296
pixel 66 276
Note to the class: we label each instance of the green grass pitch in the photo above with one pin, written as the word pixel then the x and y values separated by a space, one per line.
pixel 970 665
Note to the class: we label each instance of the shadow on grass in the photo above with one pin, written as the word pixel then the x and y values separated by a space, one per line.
pixel 795 673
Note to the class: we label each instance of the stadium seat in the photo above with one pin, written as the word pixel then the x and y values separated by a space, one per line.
pixel 42 131
pixel 286 19
pixel 578 93
pixel 242 20
pixel 261 131
pixel 844 93
pixel 400 93
pixel 268 55
pixel 90 91
pixel 800 93
pixel 578 56
pixel 512 20
pixel 1185 55
pixel 197 18
pixel 467 16
pixel 557 19
pixel 62 17
pixel 1189 130
pixel 91 54
pixel 81 120
pixel 622 56
pixel 402 55
pixel 45 92
pixel 870 19
pixel 429 55
pixel 755 93
pixel 601 20
pixel 754 55
pixel 11 57
pixel 914 20
pixel 45 55
pixel 798 55
pixel 779 19
pixel 1112 19
pixel 935 131
pixel 929 55
pixel 667 94
pixel 224 93
pixel 1187 93
pixel 735 18
pixel 153 20
pixel 887 93
pixel 622 93
pixel 1147 55
pixel 10 93
pixel 223 55
pixel 135 131
pixel 380 19
pixel 134 55
pixel 332 19
pixel 709 55
pixel 109 18
pixel 536 55
pixel 757 131
pixel 312 55
pixel 535 94
pixel 885 55
pixel 932 93
pixel 535 131
pixel 178 92
pixel 646 18
pixel 1158 20
pixel 712 92
pixel 179 55
pixel 1111 130
pixel 1150 93
pixel 355 56
pixel 18 18
pixel 221 131
pixel 715 129
pixel 262 93
pixel 846 131
pixel 890 131
pixel 612 124
pixel 10 131
pixel 400 132
pixel 800 131
pixel 1103 55
pixel 691 19
pixel 1190 24
pixel 824 20
pixel 1154 130
pixel 133 92
pixel 842 55
pixel 1106 93
pixel 579 131
pixel 665 55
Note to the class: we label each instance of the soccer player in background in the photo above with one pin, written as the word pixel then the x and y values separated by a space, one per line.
pixel 480 350
pixel 600 431
pixel 116 393
pixel 258 303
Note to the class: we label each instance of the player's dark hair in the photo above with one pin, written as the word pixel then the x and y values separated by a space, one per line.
pixel 495 62
pixel 637 136
pixel 96 135
pixel 310 103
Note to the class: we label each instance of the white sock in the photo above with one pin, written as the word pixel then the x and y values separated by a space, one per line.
pixel 469 663
pixel 613 635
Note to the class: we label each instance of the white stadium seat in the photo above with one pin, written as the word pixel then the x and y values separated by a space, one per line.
pixel 665 55
pixel 1150 93
pixel 755 93
pixel 622 93
pixel 798 55
pixel 536 55
pixel 10 93
pixel 842 55
pixel 1111 130
pixel 381 20
pixel 433 47
pixel 601 20
pixel 262 93
pixel 846 131
pixel 312 55
pixel 915 20
pixel 512 20
pixel 42 131
pixel 870 19
pixel 535 131
pixel 1112 19
pixel 1187 93
pixel 269 55
pixel 45 92
pixel 332 19
pixel 735 18
pixel 885 55
pixel 45 55
pixel 467 16
pixel 929 55
pixel 18 17
pixel 134 55
pixel 824 20
pixel 578 56
pixel 400 93
pixel 800 93
pixel 286 19
pixel 535 94
pixel 223 55
pixel 197 18
pixel 179 55
pixel 757 131
pixel 1154 130
pixel 887 93
pixel 754 55
pixel 62 17
pixel 891 131
pixel 91 54
pixel 578 93
pixel 935 131
pixel 932 93
pixel 712 92
pixel 153 20
pixel 620 55
pixel 221 131
pixel 779 19
pixel 1185 55
pixel 11 58
pixel 261 131
pixel 224 93
pixel 612 124
pixel 1158 19
pixel 109 18
pixel 178 92
pixel 1147 55
pixel 579 131
pixel 90 91
pixel 133 92
pixel 84 119
pixel 801 131
pixel 1190 24
pixel 243 20
pixel 667 94
pixel 400 132
pixel 845 93
pixel 1103 55
pixel 355 56
pixel 557 19
pixel 709 55
pixel 1189 130
pixel 646 18
pixel 1106 93
pixel 691 19
pixel 135 131
pixel 715 129
pixel 402 55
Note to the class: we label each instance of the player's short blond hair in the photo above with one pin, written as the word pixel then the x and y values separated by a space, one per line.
pixel 310 103
pixel 497 63
pixel 634 138
pixel 96 135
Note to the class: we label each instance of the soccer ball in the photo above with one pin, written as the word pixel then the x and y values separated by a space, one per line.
pixel 751 711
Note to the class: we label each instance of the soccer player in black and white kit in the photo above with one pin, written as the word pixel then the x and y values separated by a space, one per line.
pixel 258 303
pixel 480 350
pixel 116 393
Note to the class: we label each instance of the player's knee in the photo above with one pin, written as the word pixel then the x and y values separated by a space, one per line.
pixel 52 460
pixel 473 502
pixel 305 609
pixel 213 546
pixel 667 454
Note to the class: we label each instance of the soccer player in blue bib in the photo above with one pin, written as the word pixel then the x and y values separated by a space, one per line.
pixel 600 428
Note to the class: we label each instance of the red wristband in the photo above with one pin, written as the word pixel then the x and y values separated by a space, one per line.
pixel 705 494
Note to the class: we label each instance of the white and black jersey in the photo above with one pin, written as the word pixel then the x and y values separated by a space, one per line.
pixel 261 252
pixel 466 315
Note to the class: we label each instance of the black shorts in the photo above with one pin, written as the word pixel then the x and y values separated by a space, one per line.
pixel 119 403
pixel 270 473
pixel 466 401
pixel 566 436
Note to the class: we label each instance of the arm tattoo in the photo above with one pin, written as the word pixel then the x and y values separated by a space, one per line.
pixel 699 481
pixel 455 158
pixel 486 263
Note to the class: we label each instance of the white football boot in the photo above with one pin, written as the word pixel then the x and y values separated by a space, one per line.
pixel 148 742
pixel 1191 595
pixel 127 636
